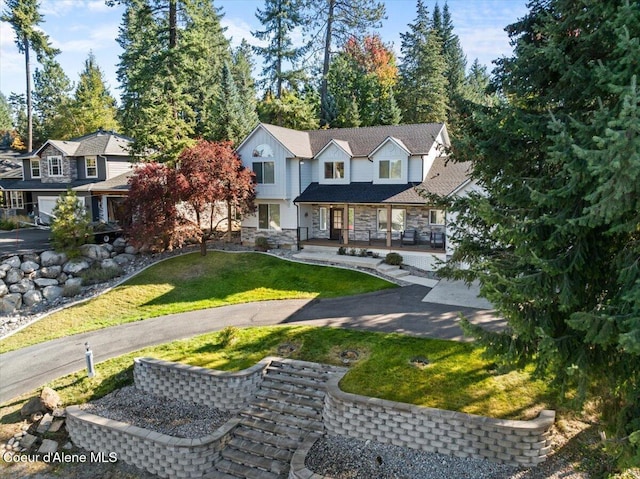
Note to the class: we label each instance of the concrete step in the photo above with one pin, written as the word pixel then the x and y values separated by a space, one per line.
pixel 215 474
pixel 284 419
pixel 312 374
pixel 263 450
pixel 255 462
pixel 286 398
pixel 311 393
pixel 271 428
pixel 245 472
pixel 318 386
pixel 397 273
pixel 294 411
pixel 262 437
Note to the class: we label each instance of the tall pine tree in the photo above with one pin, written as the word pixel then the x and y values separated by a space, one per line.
pixel 52 103
pixel 555 241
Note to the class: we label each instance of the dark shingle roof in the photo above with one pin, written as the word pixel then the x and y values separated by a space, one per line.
pixel 99 142
pixel 446 176
pixel 417 138
pixel 364 192
pixel 20 185
pixel 117 183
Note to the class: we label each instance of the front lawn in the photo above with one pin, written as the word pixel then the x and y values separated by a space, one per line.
pixel 191 282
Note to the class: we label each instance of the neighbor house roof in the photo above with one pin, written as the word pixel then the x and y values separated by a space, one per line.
pixel 101 142
pixel 117 183
pixel 20 185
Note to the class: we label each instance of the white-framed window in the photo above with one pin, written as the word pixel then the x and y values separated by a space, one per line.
pixel 16 199
pixel 324 219
pixel 35 167
pixel 91 166
pixel 334 170
pixel 390 169
pixel 265 172
pixel 436 217
pixel 398 217
pixel 262 151
pixel 55 165
pixel 269 217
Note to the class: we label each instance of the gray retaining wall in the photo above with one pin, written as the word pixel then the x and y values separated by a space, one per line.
pixel 518 443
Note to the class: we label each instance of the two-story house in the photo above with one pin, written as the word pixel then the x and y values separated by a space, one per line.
pixel 355 187
pixel 96 166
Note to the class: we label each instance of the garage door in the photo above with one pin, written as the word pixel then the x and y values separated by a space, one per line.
pixel 46 204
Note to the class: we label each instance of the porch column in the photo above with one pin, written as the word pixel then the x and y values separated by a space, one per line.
pixel 389 226
pixel 345 224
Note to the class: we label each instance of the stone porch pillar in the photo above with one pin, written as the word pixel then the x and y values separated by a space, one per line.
pixel 389 226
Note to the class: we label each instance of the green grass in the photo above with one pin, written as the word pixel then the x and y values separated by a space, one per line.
pixel 457 378
pixel 191 282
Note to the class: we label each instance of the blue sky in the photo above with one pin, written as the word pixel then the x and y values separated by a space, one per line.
pixel 79 26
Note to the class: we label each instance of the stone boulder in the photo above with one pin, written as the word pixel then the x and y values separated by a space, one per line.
pixel 119 244
pixel 124 258
pixel 51 272
pixel 11 302
pixel 3 270
pixel 131 250
pixel 50 399
pixel 29 266
pixel 52 293
pixel 109 263
pixel 73 282
pixel 31 257
pixel 3 288
pixel 44 282
pixel 32 406
pixel 51 258
pixel 75 266
pixel 14 275
pixel 22 286
pixel 94 252
pixel 13 261
pixel 31 298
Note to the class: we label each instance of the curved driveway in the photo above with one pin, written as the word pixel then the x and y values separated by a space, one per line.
pixel 398 310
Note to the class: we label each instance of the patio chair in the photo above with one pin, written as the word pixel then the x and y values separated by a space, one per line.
pixel 410 237
pixel 436 239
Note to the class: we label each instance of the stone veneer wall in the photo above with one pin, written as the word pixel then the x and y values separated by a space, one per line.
pixel 165 456
pixel 225 390
pixel 276 238
pixel 518 443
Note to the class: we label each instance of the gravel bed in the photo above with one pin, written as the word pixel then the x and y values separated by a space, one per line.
pixel 173 417
pixel 345 458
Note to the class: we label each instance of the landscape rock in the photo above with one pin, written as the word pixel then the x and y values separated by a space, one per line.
pixel 108 263
pixel 131 250
pixel 31 298
pixel 13 261
pixel 119 244
pixel 3 273
pixel 52 292
pixel 73 282
pixel 44 282
pixel 22 286
pixel 94 251
pixel 31 257
pixel 5 267
pixel 3 288
pixel 10 303
pixel 50 399
pixel 124 258
pixel 50 272
pixel 33 406
pixel 29 266
pixel 52 258
pixel 75 266
pixel 48 446
pixel 14 275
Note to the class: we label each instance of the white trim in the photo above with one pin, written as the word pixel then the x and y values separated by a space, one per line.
pixel 86 166
pixel 31 160
pixel 394 140
pixel 49 166
pixel 339 144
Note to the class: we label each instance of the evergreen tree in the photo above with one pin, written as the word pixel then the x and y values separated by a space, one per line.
pixel 227 121
pixel 477 84
pixel 6 122
pixel 24 17
pixel 241 70
pixel 291 110
pixel 453 54
pixel 279 18
pixel 169 72
pixel 52 103
pixel 335 21
pixel 19 113
pixel 555 242
pixel 423 82
pixel 70 227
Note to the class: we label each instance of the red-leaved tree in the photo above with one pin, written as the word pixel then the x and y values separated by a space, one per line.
pixel 215 186
pixel 154 221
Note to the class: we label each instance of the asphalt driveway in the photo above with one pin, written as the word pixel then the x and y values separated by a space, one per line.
pixel 399 310
pixel 24 241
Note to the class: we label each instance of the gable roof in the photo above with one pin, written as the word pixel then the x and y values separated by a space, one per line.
pixel 101 142
pixel 445 176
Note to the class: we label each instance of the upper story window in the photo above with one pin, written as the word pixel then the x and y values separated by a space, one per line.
pixel 436 217
pixel 334 170
pixel 91 166
pixel 390 169
pixel 263 151
pixel 265 172
pixel 35 168
pixel 55 165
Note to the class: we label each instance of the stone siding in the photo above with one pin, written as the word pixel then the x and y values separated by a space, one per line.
pixel 69 167
pixel 277 239
pixel 518 443
pixel 230 391
pixel 160 454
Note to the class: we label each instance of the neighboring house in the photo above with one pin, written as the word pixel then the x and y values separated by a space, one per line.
pixel 96 166
pixel 357 187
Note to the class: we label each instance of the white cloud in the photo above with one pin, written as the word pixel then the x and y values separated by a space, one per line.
pixel 238 29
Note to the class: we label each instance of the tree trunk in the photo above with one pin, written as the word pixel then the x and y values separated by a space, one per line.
pixel 173 23
pixel 326 64
pixel 203 246
pixel 29 99
pixel 229 222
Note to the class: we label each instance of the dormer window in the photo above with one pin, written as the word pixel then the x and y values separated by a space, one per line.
pixel 35 168
pixel 91 166
pixel 334 170
pixel 390 169
pixel 55 165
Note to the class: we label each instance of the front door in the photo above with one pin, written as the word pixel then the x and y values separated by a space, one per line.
pixel 335 226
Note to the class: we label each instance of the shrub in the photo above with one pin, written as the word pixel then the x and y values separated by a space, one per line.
pixel 393 259
pixel 228 336
pixel 353 252
pixel 342 251
pixel 97 274
pixel 70 228
pixel 363 252
pixel 262 244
